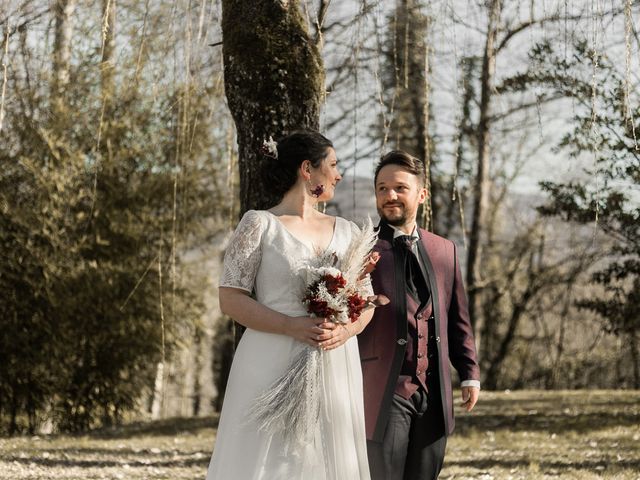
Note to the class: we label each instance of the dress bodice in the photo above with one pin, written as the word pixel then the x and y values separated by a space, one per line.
pixel 263 257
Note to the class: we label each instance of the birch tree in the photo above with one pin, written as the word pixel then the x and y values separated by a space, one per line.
pixel 63 13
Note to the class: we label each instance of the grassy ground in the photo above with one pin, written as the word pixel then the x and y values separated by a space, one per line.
pixel 519 435
pixel 560 435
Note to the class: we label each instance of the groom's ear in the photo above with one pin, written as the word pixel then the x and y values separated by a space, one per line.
pixel 423 194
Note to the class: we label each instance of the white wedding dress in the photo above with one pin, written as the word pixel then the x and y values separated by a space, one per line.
pixel 264 257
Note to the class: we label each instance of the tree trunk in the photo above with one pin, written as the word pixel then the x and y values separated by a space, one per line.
pixel 556 368
pixel 157 404
pixel 63 12
pixel 635 358
pixel 107 50
pixel 407 80
pixel 481 187
pixel 454 214
pixel 274 81
pixel 424 143
pixel 493 372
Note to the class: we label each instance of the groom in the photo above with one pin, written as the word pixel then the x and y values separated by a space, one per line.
pixel 406 349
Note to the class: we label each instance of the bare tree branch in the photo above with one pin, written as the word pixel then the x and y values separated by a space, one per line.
pixel 512 32
pixel 319 23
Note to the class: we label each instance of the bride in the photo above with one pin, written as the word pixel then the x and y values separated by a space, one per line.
pixel 263 259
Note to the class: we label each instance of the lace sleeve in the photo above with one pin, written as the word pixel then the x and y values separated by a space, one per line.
pixel 365 283
pixel 244 252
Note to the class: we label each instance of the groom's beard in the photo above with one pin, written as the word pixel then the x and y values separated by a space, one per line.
pixel 395 220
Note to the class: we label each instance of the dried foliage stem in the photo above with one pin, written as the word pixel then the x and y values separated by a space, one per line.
pixel 628 27
pixel 124 304
pixel 143 38
pixel 105 55
pixel 595 13
pixel 356 97
pixel 386 118
pixel 162 325
pixel 5 66
pixel 427 220
pixel 455 190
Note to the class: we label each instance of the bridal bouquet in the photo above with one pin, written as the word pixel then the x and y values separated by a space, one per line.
pixel 335 289
pixel 329 296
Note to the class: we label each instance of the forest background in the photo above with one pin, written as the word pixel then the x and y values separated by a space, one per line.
pixel 129 134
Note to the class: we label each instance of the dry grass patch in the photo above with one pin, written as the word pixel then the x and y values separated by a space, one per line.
pixel 519 435
pixel 173 449
pixel 539 435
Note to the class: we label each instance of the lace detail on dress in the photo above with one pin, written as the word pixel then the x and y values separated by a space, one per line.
pixel 244 253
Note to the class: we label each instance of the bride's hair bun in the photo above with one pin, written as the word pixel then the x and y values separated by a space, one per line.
pixel 280 170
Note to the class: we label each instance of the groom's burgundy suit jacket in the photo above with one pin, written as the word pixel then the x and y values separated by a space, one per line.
pixel 383 342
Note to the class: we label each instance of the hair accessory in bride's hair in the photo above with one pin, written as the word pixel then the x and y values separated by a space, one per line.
pixel 319 190
pixel 270 148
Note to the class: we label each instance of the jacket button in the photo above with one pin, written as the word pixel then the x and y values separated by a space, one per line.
pixel 421 335
pixel 402 341
pixel 420 355
pixel 437 339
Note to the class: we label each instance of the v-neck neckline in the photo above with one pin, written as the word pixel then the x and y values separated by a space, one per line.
pixel 324 250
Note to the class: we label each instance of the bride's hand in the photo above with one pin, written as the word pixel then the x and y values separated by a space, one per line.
pixel 337 334
pixel 311 330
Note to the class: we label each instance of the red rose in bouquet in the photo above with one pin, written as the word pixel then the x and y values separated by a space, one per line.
pixel 329 295
pixel 356 304
pixel 334 283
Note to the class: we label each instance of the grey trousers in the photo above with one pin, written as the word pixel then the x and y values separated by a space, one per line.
pixel 414 442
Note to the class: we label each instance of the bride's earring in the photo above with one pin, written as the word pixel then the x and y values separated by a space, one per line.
pixel 317 190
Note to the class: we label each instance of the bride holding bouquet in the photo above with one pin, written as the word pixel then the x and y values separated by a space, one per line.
pixel 296 279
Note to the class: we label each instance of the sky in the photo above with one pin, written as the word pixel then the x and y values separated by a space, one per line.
pixel 457 32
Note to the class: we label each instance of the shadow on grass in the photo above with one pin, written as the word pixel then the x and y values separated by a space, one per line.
pixel 166 427
pixel 581 399
pixel 190 461
pixel 540 421
pixel 580 464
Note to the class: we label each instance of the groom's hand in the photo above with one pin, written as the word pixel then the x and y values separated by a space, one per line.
pixel 469 397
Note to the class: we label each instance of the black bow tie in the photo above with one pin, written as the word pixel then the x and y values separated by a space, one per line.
pixel 415 283
pixel 407 241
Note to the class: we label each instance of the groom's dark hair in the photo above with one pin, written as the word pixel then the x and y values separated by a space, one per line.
pixel 408 162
